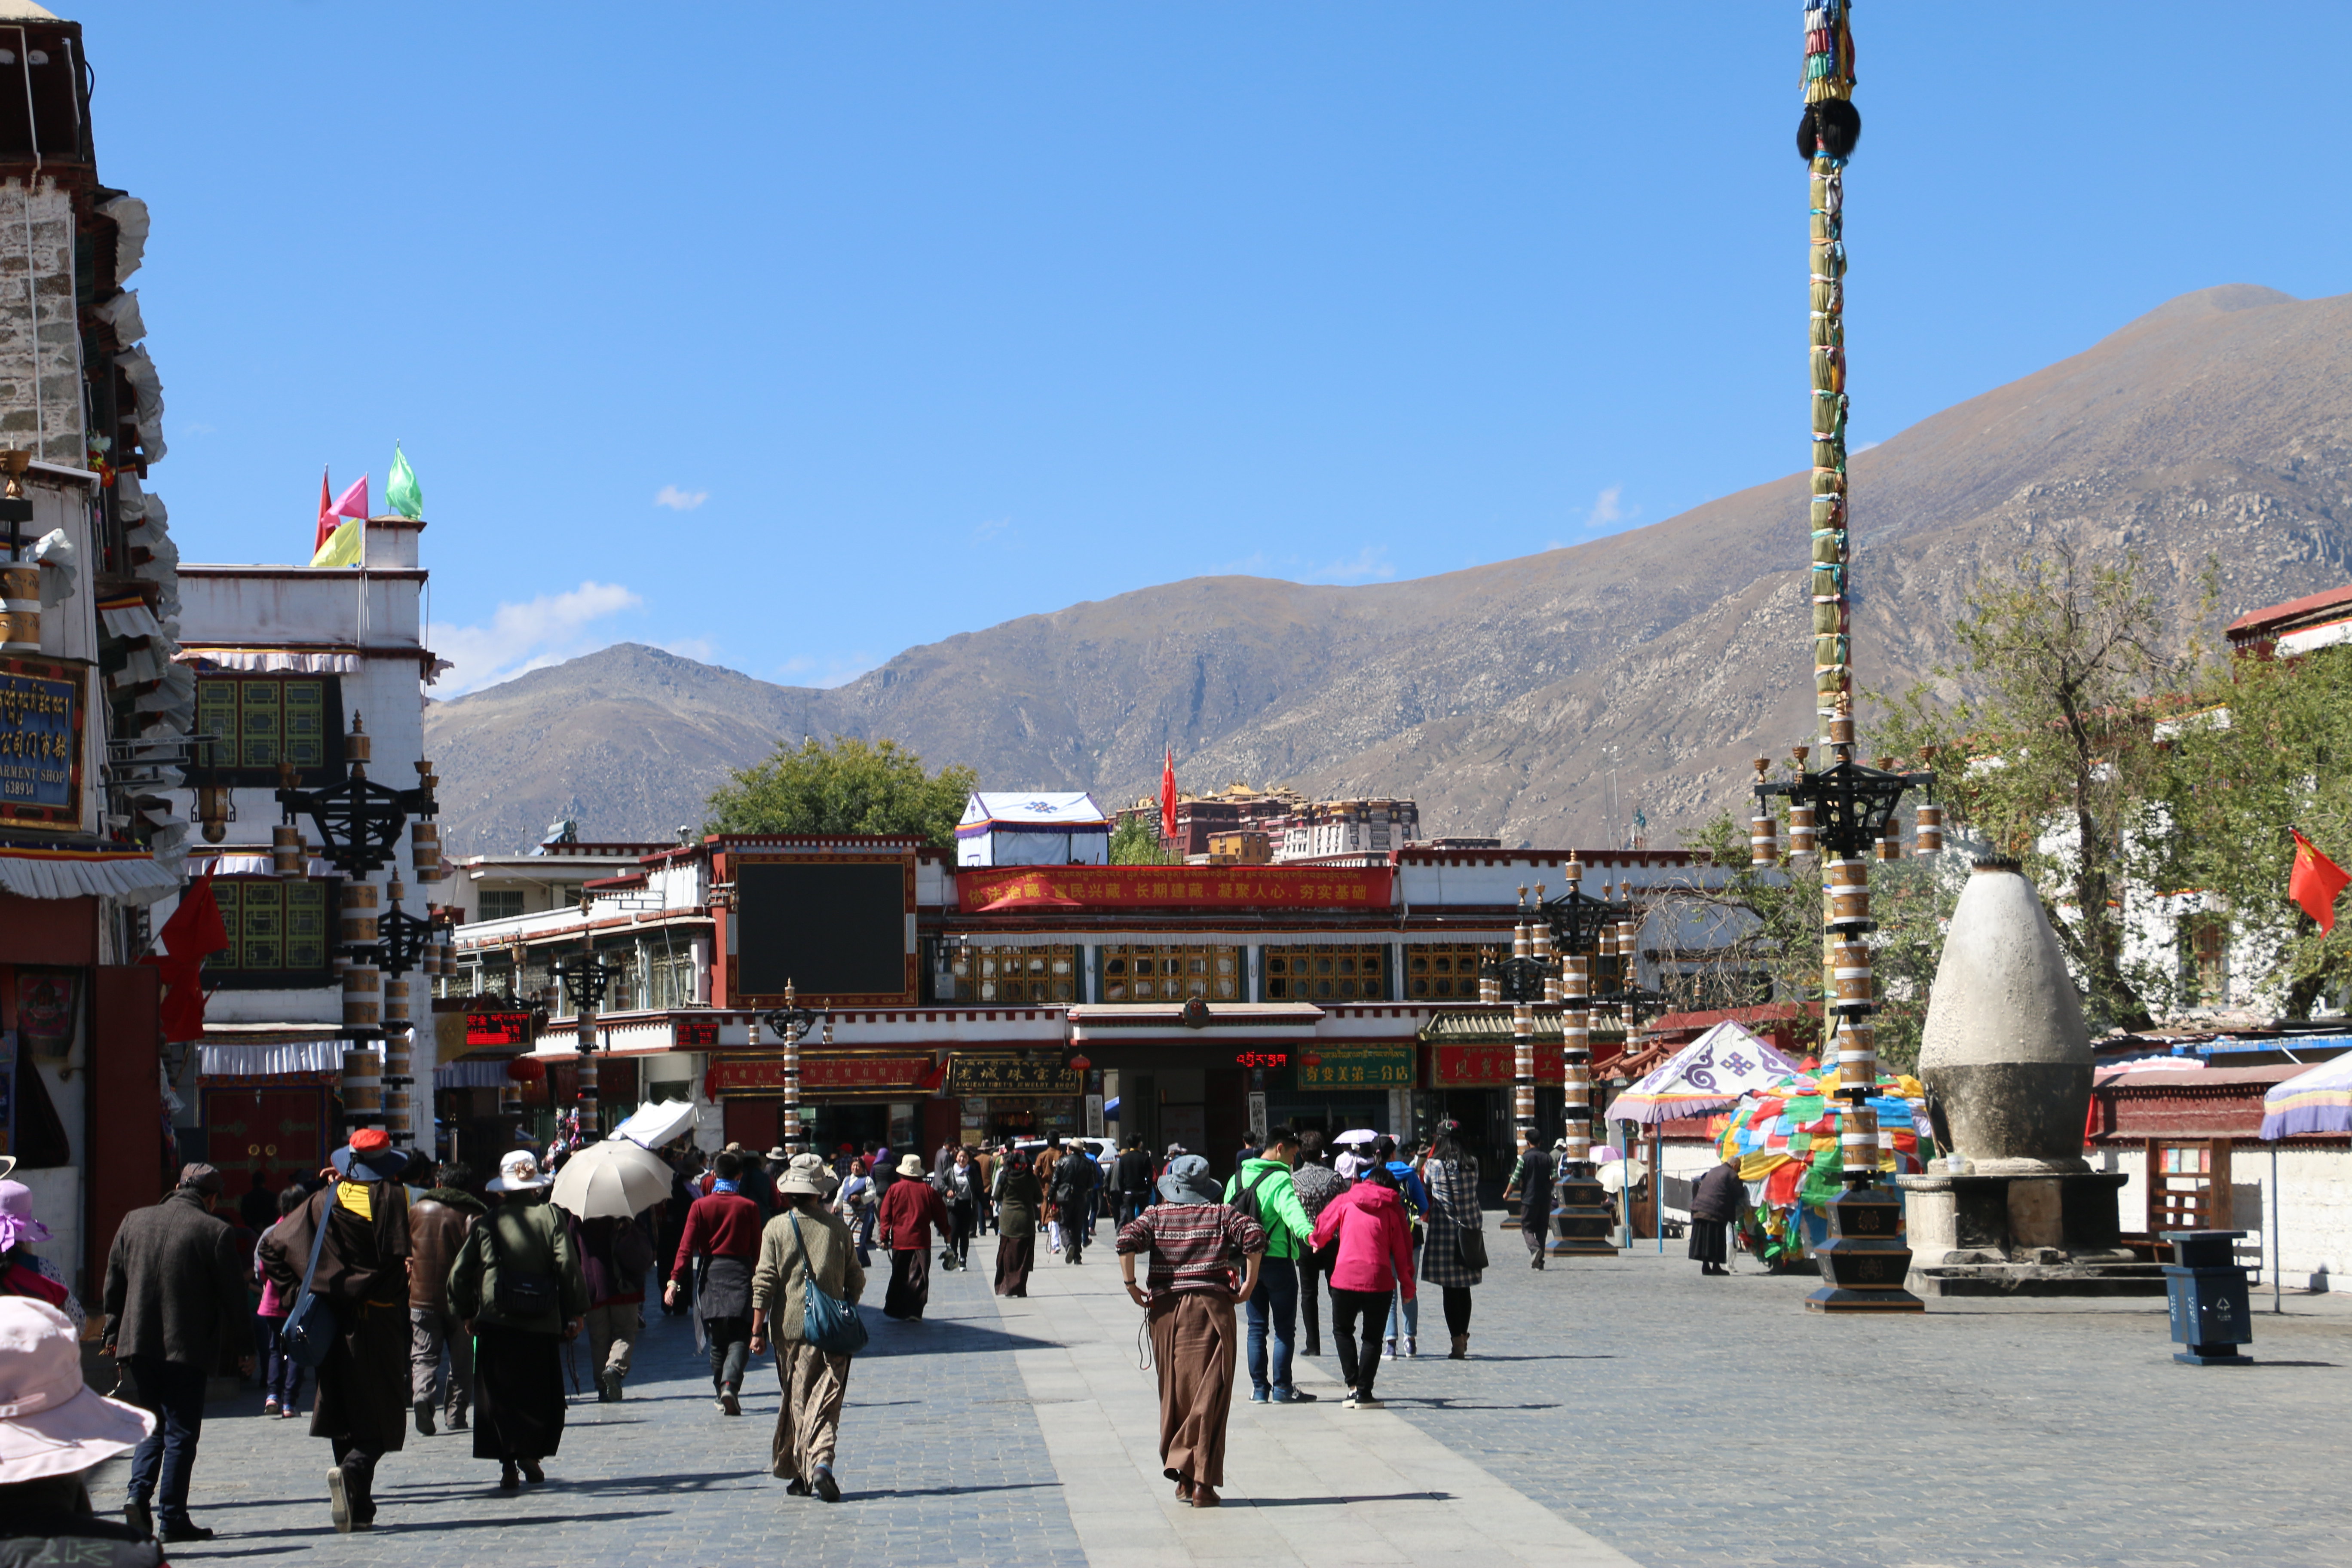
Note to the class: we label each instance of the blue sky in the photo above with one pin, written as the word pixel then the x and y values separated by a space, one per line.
pixel 790 335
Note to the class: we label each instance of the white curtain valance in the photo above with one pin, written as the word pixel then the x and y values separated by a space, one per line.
pixel 271 660
pixel 36 873
pixel 272 1062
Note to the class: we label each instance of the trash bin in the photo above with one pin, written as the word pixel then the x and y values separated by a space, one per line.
pixel 2207 1290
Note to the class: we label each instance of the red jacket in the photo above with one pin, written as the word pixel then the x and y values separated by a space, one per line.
pixel 1375 1241
pixel 724 1225
pixel 908 1211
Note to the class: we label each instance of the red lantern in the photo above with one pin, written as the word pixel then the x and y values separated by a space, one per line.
pixel 1079 1063
pixel 526 1070
pixel 1311 1060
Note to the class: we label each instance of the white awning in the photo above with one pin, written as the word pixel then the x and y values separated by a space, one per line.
pixel 279 1061
pixel 271 660
pixel 131 875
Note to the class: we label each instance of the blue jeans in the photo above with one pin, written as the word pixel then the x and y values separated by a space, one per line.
pixel 1274 1303
pixel 173 1392
pixel 281 1374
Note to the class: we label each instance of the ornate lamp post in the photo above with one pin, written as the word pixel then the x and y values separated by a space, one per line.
pixel 586 978
pixel 791 1022
pixel 1845 807
pixel 358 822
pixel 1580 1217
pixel 1523 979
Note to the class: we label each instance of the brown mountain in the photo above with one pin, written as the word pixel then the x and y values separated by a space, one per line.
pixel 2218 426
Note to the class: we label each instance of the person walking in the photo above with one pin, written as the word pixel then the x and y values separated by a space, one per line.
pixel 55 1431
pixel 1046 1158
pixel 1075 1194
pixel 1018 1199
pixel 1191 1237
pixel 356 1224
pixel 959 1187
pixel 258 1205
pixel 1131 1176
pixel 1531 1182
pixel 1454 1248
pixel 281 1374
pixel 910 1209
pixel 1717 1200
pixel 1404 1337
pixel 1316 1184
pixel 804 1244
pixel 23 1271
pixel 1262 1189
pixel 518 1286
pixel 175 1299
pixel 438 1221
pixel 719 1246
pixel 856 1205
pixel 1375 1258
pixel 615 1256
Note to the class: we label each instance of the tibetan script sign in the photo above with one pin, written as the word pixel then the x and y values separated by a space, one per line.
pixel 40 744
pixel 1358 1066
pixel 1144 887
pixel 497 1028
pixel 1488 1067
pixel 973 1075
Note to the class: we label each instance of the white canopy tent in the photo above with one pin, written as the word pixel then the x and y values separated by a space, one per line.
pixel 1035 829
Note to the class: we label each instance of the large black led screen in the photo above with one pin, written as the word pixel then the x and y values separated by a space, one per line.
pixel 831 928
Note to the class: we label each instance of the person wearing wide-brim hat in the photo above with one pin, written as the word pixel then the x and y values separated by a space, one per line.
pixel 806 1242
pixel 911 1210
pixel 518 1286
pixel 55 1429
pixel 362 1404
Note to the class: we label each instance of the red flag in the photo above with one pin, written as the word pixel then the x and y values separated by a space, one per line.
pixel 2315 882
pixel 1168 798
pixel 193 934
pixel 326 513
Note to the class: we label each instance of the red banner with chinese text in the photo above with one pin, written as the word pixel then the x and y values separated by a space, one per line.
pixel 1145 887
pixel 819 1075
pixel 1489 1067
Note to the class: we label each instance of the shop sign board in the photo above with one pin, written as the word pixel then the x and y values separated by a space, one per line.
pixel 1149 887
pixel 694 1033
pixel 1489 1067
pixel 819 1075
pixel 502 1028
pixel 971 1074
pixel 1357 1067
pixel 40 744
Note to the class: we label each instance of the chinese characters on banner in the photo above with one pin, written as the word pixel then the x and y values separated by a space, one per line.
pixel 972 1074
pixel 1488 1067
pixel 1359 1067
pixel 765 1075
pixel 1140 886
pixel 40 744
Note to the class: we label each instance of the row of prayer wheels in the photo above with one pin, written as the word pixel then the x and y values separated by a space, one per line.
pixel 1763 835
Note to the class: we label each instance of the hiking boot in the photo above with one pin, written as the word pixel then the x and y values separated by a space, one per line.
pixel 425 1418
pixel 530 1470
pixel 1461 1351
pixel 509 1478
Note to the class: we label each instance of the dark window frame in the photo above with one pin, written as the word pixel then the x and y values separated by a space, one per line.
pixel 223 977
pixel 231 770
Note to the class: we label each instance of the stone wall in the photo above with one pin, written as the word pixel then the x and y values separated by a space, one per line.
pixel 40 337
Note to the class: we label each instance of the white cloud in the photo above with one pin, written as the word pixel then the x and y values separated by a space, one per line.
pixel 1608 510
pixel 992 530
pixel 1857 451
pixel 678 500
pixel 527 637
pixel 1371 564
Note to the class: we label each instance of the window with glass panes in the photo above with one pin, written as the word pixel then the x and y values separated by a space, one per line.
pixel 1443 971
pixel 278 934
pixel 1337 973
pixel 1017 977
pixel 257 721
pixel 1171 973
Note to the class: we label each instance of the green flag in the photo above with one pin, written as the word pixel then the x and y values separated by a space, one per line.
pixel 400 492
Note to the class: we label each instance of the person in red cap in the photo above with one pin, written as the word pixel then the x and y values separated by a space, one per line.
pixel 359 1266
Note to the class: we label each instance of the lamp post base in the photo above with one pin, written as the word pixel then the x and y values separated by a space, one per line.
pixel 1864 1262
pixel 1581 1218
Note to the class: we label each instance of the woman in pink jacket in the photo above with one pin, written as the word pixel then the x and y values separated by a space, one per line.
pixel 1375 1258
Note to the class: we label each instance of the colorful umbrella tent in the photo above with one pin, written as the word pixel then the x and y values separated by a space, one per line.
pixel 2319 1101
pixel 1711 1072
pixel 1785 1137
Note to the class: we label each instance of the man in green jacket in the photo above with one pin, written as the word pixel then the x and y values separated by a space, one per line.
pixel 1262 1190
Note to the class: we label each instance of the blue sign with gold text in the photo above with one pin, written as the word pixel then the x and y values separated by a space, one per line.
pixel 40 744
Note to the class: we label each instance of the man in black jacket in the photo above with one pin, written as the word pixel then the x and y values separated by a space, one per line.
pixel 1076 1182
pixel 175 1301
pixel 1134 1177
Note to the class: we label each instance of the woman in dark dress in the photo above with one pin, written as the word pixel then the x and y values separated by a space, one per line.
pixel 519 1285
pixel 1017 1202
pixel 1716 1199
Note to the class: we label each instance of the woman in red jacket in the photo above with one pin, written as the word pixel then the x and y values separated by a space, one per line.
pixel 1375 1258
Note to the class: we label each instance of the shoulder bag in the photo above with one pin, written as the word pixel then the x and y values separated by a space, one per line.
pixel 520 1293
pixel 310 1328
pixel 1469 1234
pixel 831 1323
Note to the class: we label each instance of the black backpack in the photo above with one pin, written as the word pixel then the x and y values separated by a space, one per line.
pixel 1245 1200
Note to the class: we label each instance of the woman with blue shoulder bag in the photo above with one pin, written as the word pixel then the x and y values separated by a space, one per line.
pixel 807 1285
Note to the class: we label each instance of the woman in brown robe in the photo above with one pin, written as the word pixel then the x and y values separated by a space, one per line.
pixel 1016 1227
pixel 362 1407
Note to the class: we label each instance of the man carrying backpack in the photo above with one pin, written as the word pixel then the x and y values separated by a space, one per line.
pixel 1262 1191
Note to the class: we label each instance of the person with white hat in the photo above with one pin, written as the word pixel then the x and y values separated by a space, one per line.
pixel 518 1286
pixel 806 1243
pixel 54 1431
pixel 360 1271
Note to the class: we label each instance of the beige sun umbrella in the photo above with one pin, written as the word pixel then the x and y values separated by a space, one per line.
pixel 612 1180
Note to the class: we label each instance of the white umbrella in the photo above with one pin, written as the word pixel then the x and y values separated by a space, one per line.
pixel 612 1180
pixel 1357 1136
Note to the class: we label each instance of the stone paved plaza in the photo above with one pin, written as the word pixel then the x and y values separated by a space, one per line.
pixel 1618 1412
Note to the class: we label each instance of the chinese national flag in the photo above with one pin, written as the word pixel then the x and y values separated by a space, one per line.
pixel 2315 882
pixel 1168 798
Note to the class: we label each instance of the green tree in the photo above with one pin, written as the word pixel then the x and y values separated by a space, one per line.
pixel 848 786
pixel 2053 759
pixel 1134 843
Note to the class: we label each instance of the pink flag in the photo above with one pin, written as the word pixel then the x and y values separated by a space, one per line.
pixel 352 503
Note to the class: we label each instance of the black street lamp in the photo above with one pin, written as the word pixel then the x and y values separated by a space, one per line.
pixel 586 979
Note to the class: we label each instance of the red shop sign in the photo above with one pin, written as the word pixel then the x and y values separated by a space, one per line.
pixel 1489 1067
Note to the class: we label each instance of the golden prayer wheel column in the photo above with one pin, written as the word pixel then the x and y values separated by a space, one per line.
pixel 1523 1034
pixel 1581 1217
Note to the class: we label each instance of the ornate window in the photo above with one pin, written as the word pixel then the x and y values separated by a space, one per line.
pixel 1171 973
pixel 278 936
pixel 260 720
pixel 1443 971
pixel 1337 973
pixel 1016 976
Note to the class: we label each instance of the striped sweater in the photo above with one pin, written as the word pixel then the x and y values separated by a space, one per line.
pixel 1191 1245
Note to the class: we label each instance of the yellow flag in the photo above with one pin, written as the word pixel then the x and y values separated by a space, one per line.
pixel 343 547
